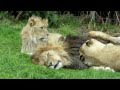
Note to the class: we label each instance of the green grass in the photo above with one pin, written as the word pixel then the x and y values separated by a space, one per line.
pixel 15 65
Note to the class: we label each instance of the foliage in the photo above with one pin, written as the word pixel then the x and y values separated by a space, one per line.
pixel 58 18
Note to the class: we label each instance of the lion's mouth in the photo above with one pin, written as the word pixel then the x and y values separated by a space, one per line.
pixel 58 65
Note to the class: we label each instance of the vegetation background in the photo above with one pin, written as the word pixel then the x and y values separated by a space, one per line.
pixel 14 65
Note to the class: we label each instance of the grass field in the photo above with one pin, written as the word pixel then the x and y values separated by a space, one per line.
pixel 15 65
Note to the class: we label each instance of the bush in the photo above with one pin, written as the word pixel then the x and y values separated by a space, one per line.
pixel 51 15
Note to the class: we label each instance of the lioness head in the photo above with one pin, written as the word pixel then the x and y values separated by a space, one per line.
pixel 89 50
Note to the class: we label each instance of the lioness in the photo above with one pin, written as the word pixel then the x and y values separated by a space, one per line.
pixel 96 53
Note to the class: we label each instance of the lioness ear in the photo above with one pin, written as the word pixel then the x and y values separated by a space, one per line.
pixel 89 42
pixel 31 21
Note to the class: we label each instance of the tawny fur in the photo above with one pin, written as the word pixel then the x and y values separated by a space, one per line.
pixel 36 27
pixel 104 36
pixel 41 55
pixel 96 53
pixel 36 33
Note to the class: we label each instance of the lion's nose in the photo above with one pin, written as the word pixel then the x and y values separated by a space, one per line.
pixel 57 63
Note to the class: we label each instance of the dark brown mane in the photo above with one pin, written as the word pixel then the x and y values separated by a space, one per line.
pixel 74 43
pixel 72 56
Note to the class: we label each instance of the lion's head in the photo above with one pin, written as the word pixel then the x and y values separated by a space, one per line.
pixel 51 56
pixel 39 31
pixel 35 32
pixel 55 57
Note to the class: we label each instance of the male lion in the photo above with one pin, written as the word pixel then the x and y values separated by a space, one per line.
pixel 35 28
pixel 96 53
pixel 36 33
pixel 55 57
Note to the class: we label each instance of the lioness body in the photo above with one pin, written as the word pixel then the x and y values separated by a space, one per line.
pixel 97 53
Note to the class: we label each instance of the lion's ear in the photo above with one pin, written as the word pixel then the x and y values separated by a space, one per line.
pixel 31 21
pixel 89 42
pixel 45 20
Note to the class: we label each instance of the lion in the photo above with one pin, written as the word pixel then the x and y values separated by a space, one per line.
pixel 96 53
pixel 56 57
pixel 36 33
pixel 36 27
